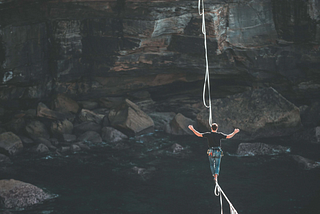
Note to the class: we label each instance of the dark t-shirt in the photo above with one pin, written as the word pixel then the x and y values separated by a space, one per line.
pixel 214 138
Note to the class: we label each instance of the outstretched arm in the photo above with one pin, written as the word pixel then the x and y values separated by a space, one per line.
pixel 195 131
pixel 233 133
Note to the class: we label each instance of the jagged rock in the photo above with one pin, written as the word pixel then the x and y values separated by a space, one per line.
pixel 252 149
pixel 45 142
pixel 90 136
pixel 86 126
pixel 88 104
pixel 58 128
pixel 10 142
pixel 44 111
pixel 179 125
pixel 17 194
pixel 87 115
pixel 257 113
pixel 37 129
pixel 41 148
pixel 63 103
pixel 162 119
pixel 112 135
pixel 69 137
pixel 4 160
pixel 305 162
pixel 130 120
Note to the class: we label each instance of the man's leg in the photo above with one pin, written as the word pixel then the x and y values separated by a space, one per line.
pixel 211 162
pixel 217 160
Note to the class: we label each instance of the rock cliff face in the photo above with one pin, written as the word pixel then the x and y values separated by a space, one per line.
pixel 90 49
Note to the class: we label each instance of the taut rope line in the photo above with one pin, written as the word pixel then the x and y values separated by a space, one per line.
pixel 206 86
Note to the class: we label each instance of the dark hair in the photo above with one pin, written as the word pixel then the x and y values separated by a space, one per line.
pixel 214 126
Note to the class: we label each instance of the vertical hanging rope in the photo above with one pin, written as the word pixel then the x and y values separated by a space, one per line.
pixel 206 85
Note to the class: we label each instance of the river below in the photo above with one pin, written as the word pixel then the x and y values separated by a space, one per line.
pixel 145 176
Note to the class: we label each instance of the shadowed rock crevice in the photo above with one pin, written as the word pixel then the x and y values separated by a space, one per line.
pixel 293 21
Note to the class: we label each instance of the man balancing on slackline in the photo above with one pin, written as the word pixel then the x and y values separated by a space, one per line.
pixel 214 143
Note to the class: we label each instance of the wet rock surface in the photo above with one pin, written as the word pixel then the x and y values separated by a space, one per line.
pixel 17 194
pixel 252 149
pixel 305 162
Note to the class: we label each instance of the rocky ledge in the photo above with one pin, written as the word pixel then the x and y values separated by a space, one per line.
pixel 70 125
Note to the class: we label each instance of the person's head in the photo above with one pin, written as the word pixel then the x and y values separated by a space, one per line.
pixel 214 127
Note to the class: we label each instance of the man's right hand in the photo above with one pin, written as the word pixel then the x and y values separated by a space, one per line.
pixel 190 127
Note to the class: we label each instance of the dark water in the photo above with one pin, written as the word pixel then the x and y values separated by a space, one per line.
pixel 101 180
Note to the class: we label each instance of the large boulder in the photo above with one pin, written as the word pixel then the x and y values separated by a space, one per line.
pixel 63 103
pixel 37 129
pixel 10 142
pixel 130 119
pixel 112 135
pixel 17 194
pixel 179 125
pixel 252 149
pixel 257 113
